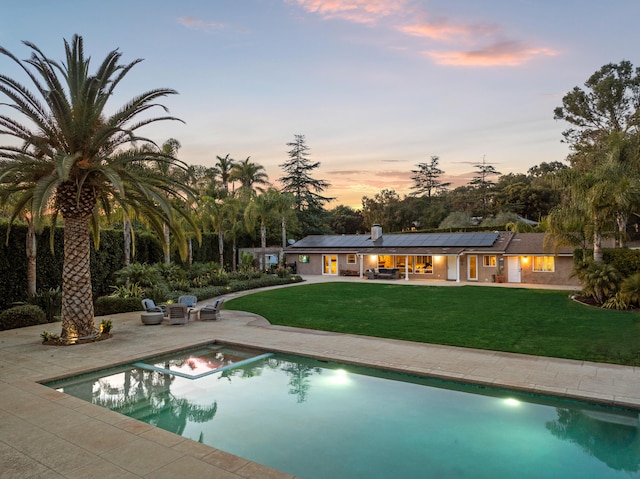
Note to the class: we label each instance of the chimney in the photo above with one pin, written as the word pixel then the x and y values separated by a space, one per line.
pixel 376 232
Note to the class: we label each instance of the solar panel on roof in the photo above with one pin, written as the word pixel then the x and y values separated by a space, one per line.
pixel 417 240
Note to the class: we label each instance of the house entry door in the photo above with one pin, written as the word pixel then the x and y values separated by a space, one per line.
pixel 452 268
pixel 472 268
pixel 514 270
pixel 330 265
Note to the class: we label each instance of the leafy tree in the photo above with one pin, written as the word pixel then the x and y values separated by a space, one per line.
pixel 609 103
pixel 457 219
pixel 427 178
pixel 305 189
pixel 78 162
pixel 344 220
pixel 382 209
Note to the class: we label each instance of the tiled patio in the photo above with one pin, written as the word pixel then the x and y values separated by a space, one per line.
pixel 46 434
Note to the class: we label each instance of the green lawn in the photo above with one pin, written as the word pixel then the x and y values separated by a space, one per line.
pixel 540 322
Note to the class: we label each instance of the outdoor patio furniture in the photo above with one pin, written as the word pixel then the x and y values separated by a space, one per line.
pixel 211 312
pixel 149 306
pixel 190 302
pixel 152 317
pixel 178 313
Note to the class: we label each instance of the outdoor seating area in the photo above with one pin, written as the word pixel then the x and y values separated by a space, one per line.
pixel 182 312
pixel 383 273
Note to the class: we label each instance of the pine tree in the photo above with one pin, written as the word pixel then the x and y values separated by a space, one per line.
pixel 306 190
pixel 427 178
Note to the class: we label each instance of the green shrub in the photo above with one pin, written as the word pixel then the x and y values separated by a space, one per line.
pixel 50 301
pixel 112 305
pixel 22 316
pixel 129 290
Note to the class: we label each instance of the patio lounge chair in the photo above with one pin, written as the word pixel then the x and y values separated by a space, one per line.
pixel 211 312
pixel 178 313
pixel 190 302
pixel 150 307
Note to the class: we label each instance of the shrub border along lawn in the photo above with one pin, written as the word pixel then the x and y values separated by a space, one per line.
pixel 517 320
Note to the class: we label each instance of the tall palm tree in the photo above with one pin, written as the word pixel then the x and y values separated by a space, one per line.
pixel 283 206
pixel 224 168
pixel 79 161
pixel 252 176
pixel 259 210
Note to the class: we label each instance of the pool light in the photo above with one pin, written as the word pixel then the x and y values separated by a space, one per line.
pixel 512 402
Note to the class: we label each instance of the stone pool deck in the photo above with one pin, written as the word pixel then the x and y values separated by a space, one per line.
pixel 46 434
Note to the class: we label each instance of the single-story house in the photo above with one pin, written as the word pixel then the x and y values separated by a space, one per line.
pixel 477 257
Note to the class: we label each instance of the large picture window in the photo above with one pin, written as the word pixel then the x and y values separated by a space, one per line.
pixel 424 264
pixel 543 264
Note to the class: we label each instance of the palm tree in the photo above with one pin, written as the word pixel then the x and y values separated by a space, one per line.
pixel 170 149
pixel 79 161
pixel 224 168
pixel 259 210
pixel 283 206
pixel 251 176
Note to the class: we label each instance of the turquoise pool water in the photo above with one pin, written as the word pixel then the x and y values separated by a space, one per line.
pixel 321 420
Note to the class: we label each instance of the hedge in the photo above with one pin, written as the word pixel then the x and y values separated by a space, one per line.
pixel 625 260
pixel 108 259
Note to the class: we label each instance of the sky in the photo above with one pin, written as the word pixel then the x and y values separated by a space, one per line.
pixel 375 86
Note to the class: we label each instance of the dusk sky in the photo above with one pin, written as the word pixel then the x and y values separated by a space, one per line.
pixel 376 86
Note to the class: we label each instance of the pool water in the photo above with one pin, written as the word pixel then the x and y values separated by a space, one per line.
pixel 321 420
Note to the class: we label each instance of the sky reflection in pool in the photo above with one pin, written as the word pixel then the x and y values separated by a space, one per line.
pixel 321 420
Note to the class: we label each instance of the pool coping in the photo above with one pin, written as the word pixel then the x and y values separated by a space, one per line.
pixel 45 432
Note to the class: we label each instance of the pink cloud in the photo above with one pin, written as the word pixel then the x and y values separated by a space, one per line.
pixel 443 30
pixel 359 11
pixel 507 53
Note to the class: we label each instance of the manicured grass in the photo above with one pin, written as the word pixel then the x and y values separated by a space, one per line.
pixel 539 322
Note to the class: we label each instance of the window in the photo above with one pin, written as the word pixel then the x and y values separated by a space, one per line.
pixel 385 261
pixel 424 264
pixel 489 261
pixel 543 264
pixel 303 258
pixel 351 259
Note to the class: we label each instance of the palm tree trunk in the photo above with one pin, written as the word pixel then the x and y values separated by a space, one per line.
pixel 263 245
pixel 221 247
pixel 284 238
pixel 598 255
pixel 167 244
pixel 126 226
pixel 234 260
pixel 77 298
pixel 621 220
pixel 31 249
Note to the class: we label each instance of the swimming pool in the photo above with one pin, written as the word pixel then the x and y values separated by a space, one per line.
pixel 320 420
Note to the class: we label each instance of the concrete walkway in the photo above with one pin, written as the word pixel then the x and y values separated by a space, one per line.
pixel 46 434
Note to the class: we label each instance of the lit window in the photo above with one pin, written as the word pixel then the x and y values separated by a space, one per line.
pixel 351 259
pixel 424 264
pixel 543 264
pixel 489 261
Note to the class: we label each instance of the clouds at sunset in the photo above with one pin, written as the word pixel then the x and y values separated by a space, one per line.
pixel 359 11
pixel 446 41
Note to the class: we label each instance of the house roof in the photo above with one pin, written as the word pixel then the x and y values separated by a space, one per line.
pixel 407 243
pixel 438 244
pixel 532 244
